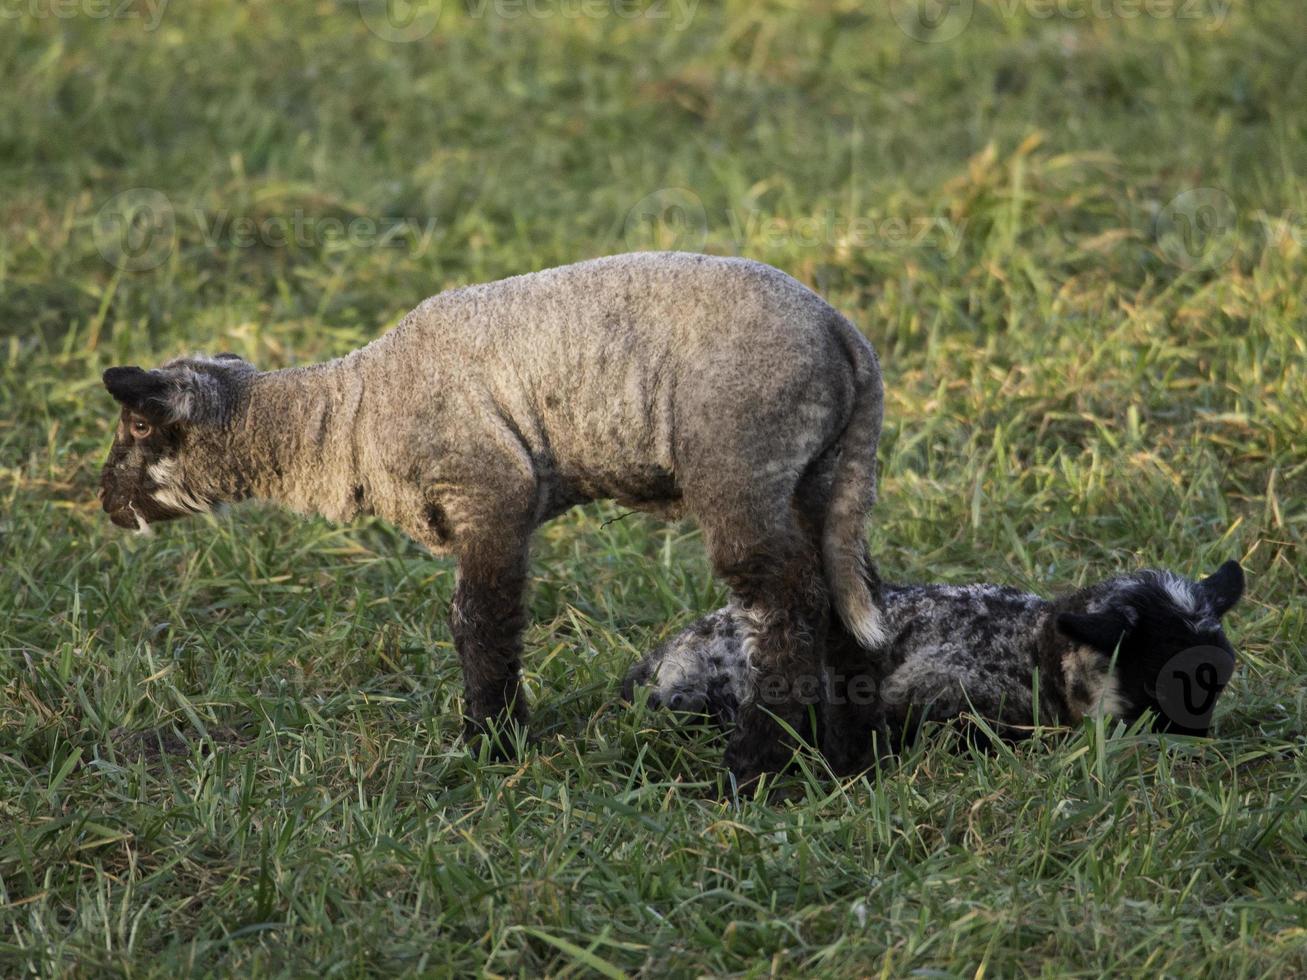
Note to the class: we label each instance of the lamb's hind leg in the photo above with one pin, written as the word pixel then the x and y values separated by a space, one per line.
pixel 779 594
pixel 740 463
pixel 849 682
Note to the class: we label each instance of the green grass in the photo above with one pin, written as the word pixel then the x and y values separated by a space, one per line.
pixel 231 747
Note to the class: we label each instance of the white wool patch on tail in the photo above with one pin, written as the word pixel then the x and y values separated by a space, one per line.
pixel 853 599
pixel 864 620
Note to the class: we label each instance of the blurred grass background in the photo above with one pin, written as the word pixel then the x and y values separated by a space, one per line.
pixel 1075 233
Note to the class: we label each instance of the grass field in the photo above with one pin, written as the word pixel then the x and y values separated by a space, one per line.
pixel 1074 231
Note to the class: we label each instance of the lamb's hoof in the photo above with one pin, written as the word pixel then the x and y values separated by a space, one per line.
pixel 499 737
pixel 768 787
pixel 848 758
pixel 749 762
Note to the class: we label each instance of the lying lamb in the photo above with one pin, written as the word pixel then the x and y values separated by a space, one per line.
pixel 1148 641
pixel 714 387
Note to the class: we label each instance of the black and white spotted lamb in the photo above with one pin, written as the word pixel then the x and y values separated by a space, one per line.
pixel 1145 642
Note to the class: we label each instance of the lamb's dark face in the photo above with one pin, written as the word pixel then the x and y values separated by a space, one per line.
pixel 1174 659
pixel 138 485
pixel 155 468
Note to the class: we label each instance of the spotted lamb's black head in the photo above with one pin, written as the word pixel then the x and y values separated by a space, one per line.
pixel 156 464
pixel 1162 633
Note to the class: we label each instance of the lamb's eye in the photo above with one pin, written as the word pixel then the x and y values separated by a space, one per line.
pixel 141 429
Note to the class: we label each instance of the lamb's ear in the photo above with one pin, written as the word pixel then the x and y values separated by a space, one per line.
pixel 1223 588
pixel 147 392
pixel 1100 630
pixel 173 394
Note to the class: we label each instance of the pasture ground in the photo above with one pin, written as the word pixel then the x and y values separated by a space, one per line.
pixel 1077 240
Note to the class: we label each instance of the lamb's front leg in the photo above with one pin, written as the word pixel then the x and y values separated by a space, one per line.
pixel 487 619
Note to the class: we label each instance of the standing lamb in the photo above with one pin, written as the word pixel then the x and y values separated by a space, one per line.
pixel 680 384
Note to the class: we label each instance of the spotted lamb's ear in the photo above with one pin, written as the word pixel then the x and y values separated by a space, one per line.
pixel 147 392
pixel 1101 630
pixel 1223 588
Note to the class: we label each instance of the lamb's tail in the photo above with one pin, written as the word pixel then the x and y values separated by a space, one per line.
pixel 853 491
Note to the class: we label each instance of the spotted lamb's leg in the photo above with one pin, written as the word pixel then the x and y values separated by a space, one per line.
pixel 699 671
